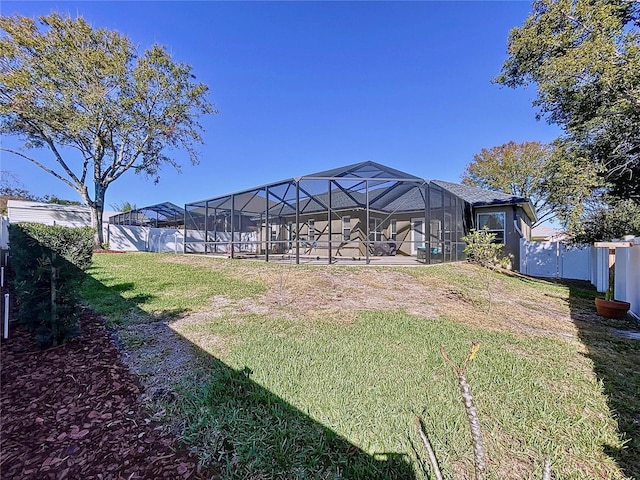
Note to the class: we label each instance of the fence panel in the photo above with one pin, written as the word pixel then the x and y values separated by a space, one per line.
pixel 539 259
pixel 555 260
pixel 128 238
pixel 165 240
pixel 575 261
pixel 4 233
pixel 627 284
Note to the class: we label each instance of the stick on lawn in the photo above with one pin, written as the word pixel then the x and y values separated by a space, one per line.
pixel 432 456
pixel 470 409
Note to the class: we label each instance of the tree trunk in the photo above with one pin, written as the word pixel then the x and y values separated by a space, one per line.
pixel 97 209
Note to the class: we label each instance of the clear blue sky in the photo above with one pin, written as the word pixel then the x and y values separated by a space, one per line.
pixel 307 86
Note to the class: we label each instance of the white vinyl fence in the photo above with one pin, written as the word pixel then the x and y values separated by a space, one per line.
pixel 144 239
pixel 627 284
pixel 555 260
pixel 4 233
pixel 559 260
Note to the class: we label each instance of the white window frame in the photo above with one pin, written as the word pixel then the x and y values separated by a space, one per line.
pixel 418 234
pixel 311 230
pixel 346 228
pixel 393 230
pixel 503 230
pixel 375 233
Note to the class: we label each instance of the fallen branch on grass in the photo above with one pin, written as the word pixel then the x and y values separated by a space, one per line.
pixel 479 454
pixel 432 456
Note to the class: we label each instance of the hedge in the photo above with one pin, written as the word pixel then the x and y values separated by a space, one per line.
pixel 48 264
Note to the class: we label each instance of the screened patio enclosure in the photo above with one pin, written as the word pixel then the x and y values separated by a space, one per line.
pixel 161 215
pixel 358 213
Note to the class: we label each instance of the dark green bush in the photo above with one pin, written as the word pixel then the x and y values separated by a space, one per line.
pixel 48 264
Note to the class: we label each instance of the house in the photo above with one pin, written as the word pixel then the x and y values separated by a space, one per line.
pixel 544 233
pixel 362 211
pixel 509 217
pixel 52 214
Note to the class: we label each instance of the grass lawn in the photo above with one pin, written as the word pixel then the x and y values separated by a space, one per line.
pixel 320 372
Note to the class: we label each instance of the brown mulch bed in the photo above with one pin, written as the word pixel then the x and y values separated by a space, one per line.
pixel 75 411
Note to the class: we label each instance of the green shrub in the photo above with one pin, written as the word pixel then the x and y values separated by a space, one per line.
pixel 48 264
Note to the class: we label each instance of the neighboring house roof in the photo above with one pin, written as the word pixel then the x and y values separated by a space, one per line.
pixel 39 212
pixel 479 197
pixel 45 206
pixel 546 233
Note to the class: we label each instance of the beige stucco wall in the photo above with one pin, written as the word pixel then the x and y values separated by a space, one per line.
pixel 405 242
pixel 355 247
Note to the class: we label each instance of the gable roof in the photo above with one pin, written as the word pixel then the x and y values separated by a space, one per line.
pixel 365 170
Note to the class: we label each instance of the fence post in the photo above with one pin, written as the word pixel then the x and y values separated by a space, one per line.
pixel 6 316
pixel 54 301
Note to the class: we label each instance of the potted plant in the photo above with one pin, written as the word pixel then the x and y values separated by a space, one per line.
pixel 607 306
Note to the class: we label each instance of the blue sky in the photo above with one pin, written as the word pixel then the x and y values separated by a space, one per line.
pixel 307 86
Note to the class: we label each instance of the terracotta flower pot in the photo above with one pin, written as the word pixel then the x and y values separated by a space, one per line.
pixel 612 308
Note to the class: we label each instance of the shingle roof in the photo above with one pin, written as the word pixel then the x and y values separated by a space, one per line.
pixel 479 197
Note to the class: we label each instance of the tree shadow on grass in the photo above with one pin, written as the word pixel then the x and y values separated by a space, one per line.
pixel 240 427
pixel 113 302
pixel 256 434
pixel 616 362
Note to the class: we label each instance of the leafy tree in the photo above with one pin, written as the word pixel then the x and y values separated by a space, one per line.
pixel 584 58
pixel 618 218
pixel 99 109
pixel 12 189
pixel 59 201
pixel 518 169
pixel 124 206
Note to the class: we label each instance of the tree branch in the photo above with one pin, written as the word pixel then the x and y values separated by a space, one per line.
pixel 52 146
pixel 427 445
pixel 470 409
pixel 43 167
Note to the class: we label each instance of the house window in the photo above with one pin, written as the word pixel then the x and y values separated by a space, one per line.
pixel 311 230
pixel 393 232
pixel 494 222
pixel 346 228
pixel 375 232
